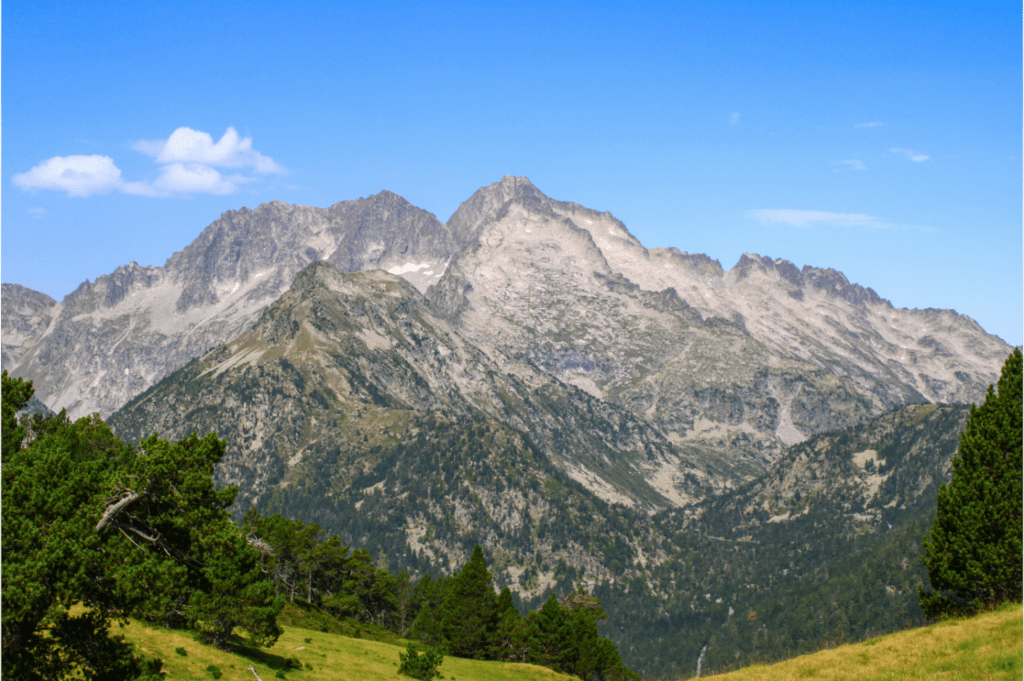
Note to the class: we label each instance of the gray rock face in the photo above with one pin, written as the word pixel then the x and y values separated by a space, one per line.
pixel 729 366
pixel 25 315
pixel 736 363
pixel 365 349
pixel 111 339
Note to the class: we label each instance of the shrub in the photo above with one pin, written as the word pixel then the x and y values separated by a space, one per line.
pixel 214 671
pixel 422 667
pixel 181 651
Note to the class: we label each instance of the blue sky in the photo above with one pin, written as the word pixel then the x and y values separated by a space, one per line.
pixel 880 139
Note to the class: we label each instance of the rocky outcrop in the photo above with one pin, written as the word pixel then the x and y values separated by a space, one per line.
pixel 730 366
pixel 738 363
pixel 112 338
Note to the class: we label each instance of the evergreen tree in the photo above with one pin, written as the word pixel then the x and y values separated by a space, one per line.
pixel 506 641
pixel 548 635
pixel 973 552
pixel 124 531
pixel 428 598
pixel 469 609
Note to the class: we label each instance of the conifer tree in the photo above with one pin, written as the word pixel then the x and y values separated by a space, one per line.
pixel 469 609
pixel 428 598
pixel 549 636
pixel 123 531
pixel 505 643
pixel 973 552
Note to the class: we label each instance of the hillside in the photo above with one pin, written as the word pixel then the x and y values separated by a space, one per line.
pixel 351 404
pixel 984 647
pixel 320 657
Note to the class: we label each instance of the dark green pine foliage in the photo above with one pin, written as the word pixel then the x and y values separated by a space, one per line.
pixel 563 635
pixel 973 553
pixel 470 608
pixel 428 599
pixel 506 641
pixel 126 532
pixel 422 667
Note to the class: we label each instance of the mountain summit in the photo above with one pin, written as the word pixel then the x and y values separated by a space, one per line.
pixel 728 365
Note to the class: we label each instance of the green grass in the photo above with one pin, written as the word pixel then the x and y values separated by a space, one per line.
pixel 332 656
pixel 988 646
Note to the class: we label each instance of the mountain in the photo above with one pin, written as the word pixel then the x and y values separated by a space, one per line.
pixel 351 404
pixel 26 316
pixel 341 357
pixel 110 339
pixel 736 363
pixel 729 367
pixel 824 546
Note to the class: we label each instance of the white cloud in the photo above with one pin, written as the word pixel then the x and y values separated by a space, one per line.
pixel 855 164
pixel 192 178
pixel 37 213
pixel 186 145
pixel 187 159
pixel 76 175
pixel 734 118
pixel 910 154
pixel 814 218
pixel 872 124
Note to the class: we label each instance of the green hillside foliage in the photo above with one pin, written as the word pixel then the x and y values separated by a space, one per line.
pixel 97 531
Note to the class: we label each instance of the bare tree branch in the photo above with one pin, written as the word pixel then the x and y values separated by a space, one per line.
pixel 123 527
pixel 116 508
pixel 263 547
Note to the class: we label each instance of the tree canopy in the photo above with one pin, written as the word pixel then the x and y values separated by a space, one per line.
pixel 123 531
pixel 973 551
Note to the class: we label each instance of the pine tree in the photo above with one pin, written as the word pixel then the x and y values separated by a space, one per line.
pixel 973 553
pixel 428 599
pixel 469 609
pixel 549 636
pixel 123 531
pixel 504 641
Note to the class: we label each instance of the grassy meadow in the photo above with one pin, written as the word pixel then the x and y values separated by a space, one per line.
pixel 321 656
pixel 988 646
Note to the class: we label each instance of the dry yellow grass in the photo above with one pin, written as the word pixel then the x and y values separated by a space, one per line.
pixel 330 656
pixel 988 646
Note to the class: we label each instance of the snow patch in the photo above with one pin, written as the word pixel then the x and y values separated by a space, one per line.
pixel 408 267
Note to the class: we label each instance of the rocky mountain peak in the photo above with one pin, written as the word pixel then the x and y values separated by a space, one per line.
pixel 25 315
pixel 554 281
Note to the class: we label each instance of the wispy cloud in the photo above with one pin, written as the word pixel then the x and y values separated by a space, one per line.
pixel 871 124
pixel 37 213
pixel 814 218
pixel 910 154
pixel 854 164
pixel 734 118
pixel 188 160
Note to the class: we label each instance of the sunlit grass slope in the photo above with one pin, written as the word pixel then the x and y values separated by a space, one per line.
pixel 332 657
pixel 988 646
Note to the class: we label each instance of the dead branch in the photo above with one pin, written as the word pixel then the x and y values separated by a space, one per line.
pixel 116 508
